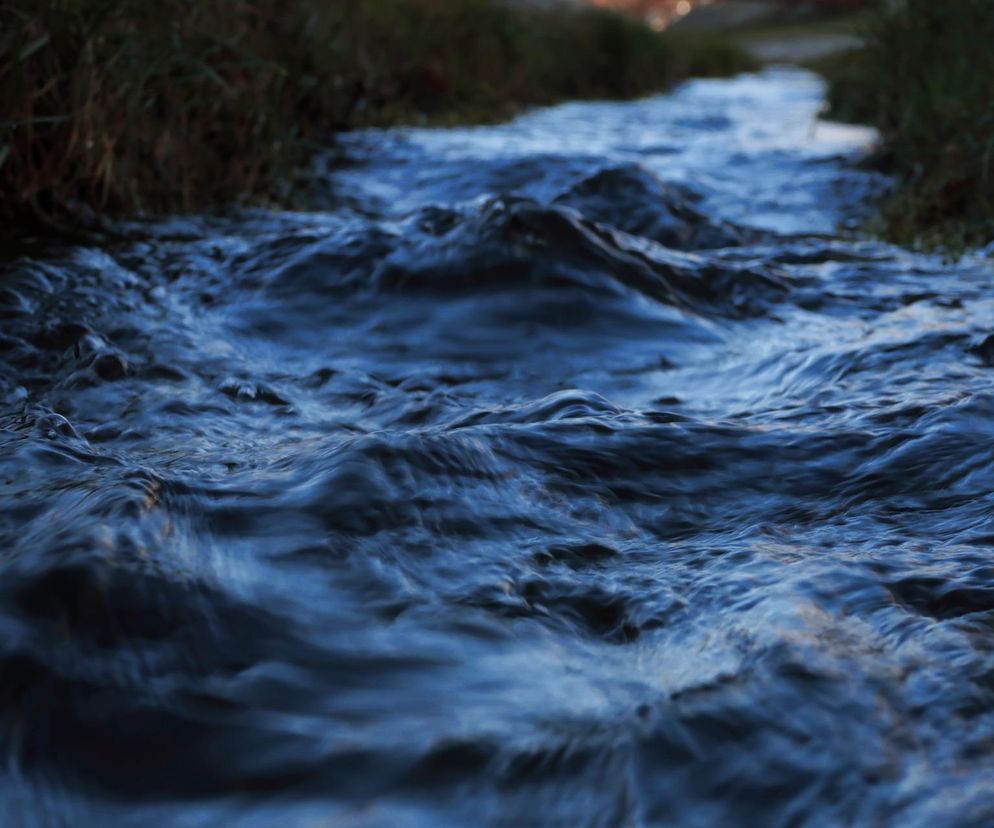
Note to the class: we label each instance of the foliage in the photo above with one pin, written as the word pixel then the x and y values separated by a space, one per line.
pixel 926 80
pixel 131 105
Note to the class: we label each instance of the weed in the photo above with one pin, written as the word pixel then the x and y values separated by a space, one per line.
pixel 131 105
pixel 926 81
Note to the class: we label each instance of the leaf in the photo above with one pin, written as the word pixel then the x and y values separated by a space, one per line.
pixel 33 47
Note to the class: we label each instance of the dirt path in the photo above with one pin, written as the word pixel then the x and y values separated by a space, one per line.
pixel 762 29
pixel 800 49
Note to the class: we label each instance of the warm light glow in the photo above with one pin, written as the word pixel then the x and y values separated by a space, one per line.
pixel 657 13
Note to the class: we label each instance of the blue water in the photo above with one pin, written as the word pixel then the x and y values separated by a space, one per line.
pixel 580 471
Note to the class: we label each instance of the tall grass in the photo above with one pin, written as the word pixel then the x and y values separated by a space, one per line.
pixel 156 105
pixel 926 80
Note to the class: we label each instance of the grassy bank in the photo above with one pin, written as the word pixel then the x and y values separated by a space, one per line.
pixel 131 105
pixel 926 80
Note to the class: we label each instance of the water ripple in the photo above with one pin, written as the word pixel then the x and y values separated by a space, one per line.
pixel 575 471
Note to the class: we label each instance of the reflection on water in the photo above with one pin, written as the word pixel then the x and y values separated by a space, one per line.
pixel 568 472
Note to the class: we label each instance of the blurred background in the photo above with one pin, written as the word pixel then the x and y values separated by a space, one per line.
pixel 663 13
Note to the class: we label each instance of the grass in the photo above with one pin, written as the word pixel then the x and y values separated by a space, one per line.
pixel 926 81
pixel 825 23
pixel 124 106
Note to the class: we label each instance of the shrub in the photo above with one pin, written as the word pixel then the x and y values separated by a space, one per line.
pixel 132 105
pixel 926 80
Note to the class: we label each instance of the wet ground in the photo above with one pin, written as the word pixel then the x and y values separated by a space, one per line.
pixel 573 472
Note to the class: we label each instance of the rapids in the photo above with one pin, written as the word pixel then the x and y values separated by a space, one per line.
pixel 580 471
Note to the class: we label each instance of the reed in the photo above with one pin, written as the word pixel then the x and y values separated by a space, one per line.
pixel 122 106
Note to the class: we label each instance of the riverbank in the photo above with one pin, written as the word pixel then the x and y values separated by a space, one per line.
pixel 919 73
pixel 170 106
pixel 924 80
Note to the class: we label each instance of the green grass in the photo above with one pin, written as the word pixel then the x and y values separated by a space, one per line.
pixel 851 97
pixel 790 28
pixel 926 81
pixel 123 106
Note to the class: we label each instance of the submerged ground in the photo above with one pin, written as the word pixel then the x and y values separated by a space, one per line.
pixel 568 472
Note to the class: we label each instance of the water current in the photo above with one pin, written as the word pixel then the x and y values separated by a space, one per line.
pixel 579 471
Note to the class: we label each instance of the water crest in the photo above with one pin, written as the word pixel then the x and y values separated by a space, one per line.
pixel 575 471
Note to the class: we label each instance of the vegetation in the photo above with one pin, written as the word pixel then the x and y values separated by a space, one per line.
pixel 133 105
pixel 926 80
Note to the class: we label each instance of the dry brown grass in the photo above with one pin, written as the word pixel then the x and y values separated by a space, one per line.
pixel 131 105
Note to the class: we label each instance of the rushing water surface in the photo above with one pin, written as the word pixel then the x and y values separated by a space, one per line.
pixel 571 472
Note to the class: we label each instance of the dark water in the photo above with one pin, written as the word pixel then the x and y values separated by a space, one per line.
pixel 573 472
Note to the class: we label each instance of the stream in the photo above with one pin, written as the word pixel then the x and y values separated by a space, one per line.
pixel 586 470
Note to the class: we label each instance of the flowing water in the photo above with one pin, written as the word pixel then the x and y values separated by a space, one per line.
pixel 572 472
